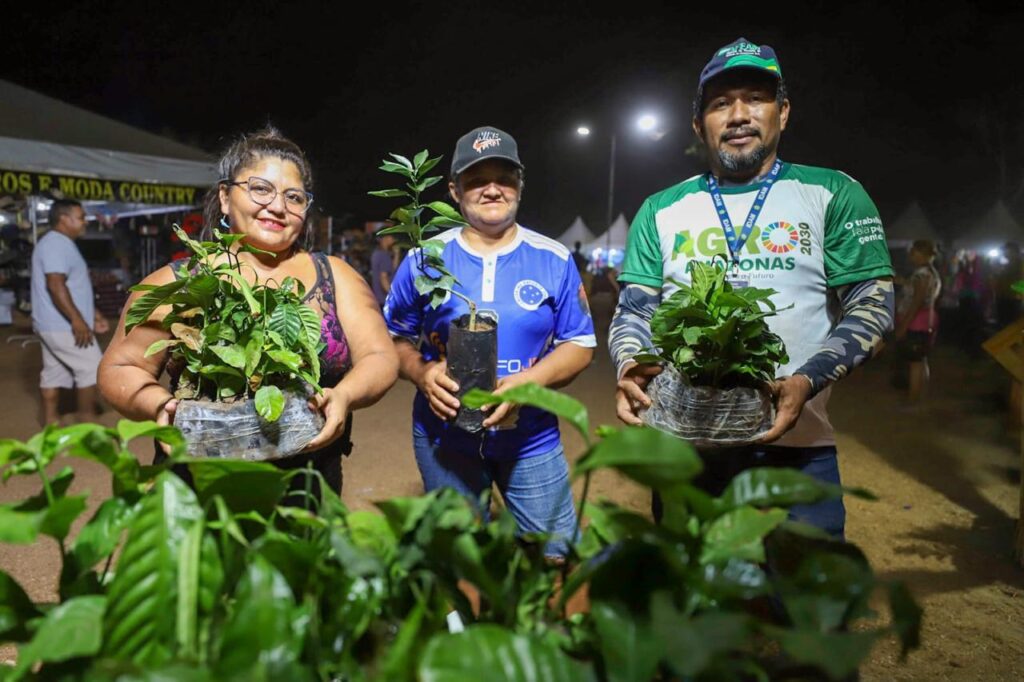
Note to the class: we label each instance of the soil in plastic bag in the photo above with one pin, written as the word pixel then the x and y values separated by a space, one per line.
pixel 473 363
pixel 236 431
pixel 707 417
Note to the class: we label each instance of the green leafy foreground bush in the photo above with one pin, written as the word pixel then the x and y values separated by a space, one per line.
pixel 225 583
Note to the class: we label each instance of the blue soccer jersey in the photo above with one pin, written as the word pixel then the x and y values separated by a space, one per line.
pixel 533 289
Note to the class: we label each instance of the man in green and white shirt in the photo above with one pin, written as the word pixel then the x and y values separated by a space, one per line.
pixel 812 234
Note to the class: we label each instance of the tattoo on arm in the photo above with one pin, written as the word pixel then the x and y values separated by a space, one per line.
pixel 630 331
pixel 867 316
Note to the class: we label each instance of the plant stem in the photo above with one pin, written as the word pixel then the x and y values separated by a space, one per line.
pixel 106 568
pixel 472 309
pixel 46 481
pixel 583 502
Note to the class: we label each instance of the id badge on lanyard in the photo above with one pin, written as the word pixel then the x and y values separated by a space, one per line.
pixel 733 241
pixel 734 278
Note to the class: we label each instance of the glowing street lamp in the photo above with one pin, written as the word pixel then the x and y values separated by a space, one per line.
pixel 646 123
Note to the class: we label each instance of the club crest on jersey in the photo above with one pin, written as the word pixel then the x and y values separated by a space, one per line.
pixel 485 140
pixel 529 294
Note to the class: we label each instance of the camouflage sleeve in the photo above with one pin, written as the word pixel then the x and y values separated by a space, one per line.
pixel 867 316
pixel 630 331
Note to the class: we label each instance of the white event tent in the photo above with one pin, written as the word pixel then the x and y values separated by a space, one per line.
pixel 51 148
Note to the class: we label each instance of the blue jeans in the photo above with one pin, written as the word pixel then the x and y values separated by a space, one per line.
pixel 818 462
pixel 535 490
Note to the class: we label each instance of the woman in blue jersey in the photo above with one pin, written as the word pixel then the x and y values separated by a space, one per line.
pixel 545 336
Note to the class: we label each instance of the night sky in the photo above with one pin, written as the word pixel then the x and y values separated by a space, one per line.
pixel 914 101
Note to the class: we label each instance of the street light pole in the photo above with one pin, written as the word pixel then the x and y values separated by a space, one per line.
pixel 611 195
pixel 645 123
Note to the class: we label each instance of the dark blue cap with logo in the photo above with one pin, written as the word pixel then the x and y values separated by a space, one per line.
pixel 480 144
pixel 739 54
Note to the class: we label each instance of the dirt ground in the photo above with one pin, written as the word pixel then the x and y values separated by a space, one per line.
pixel 948 479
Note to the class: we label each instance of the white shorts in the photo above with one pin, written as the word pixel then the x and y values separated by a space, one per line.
pixel 65 365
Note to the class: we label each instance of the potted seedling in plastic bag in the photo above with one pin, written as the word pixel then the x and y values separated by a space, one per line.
pixel 472 348
pixel 719 359
pixel 245 355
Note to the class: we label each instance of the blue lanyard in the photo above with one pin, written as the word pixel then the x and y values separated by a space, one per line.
pixel 736 243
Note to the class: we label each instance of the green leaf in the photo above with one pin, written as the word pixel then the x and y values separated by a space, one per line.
pixel 269 402
pixel 128 431
pixel 98 538
pixel 187 627
pixel 220 370
pixel 556 403
pixel 738 534
pixel 368 530
pixel 243 286
pixel 407 230
pixel 16 610
pixel 389 193
pixel 243 485
pixel 253 352
pixel 735 579
pixel 203 288
pixel 265 629
pixel 292 361
pixel 780 487
pixel 417 161
pixel 193 245
pixel 649 457
pixel 70 630
pixel 432 247
pixel 837 654
pixel 19 527
pixel 56 521
pixel 160 345
pixel 691 644
pixel 311 325
pixel 287 322
pixel 136 625
pixel 439 296
pixel 427 183
pixel 144 306
pixel 401 159
pixel 493 653
pixel 427 165
pixel 395 168
pixel 400 660
pixel 233 355
pixel 629 651
pixel 445 210
pixel 403 513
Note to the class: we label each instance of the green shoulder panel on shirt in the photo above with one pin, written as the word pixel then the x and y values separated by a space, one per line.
pixel 644 260
pixel 855 248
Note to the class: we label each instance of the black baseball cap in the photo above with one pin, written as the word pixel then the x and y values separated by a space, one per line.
pixel 739 54
pixel 480 144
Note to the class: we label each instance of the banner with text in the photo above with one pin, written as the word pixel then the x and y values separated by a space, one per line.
pixel 92 189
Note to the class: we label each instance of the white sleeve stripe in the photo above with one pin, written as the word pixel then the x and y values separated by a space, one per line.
pixel 539 241
pixel 413 339
pixel 587 341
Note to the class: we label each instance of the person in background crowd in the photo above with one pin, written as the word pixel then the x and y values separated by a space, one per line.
pixel 969 285
pixel 64 315
pixel 1007 273
pixel 917 319
pixel 382 267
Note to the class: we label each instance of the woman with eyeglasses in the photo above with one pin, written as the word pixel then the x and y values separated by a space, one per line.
pixel 264 193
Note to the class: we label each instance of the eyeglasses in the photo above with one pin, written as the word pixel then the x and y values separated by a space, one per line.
pixel 263 193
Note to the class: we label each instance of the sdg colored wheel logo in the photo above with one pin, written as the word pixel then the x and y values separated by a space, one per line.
pixel 780 237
